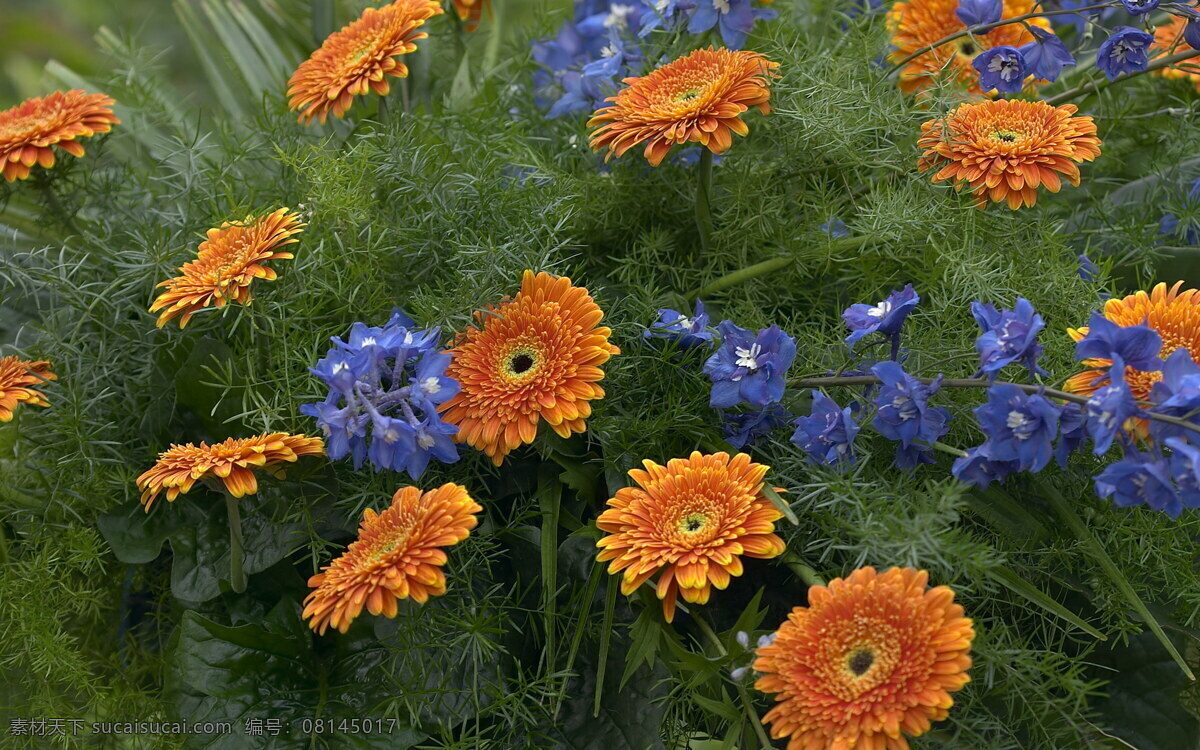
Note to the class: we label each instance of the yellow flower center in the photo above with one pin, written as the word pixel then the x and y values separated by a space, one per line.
pixel 1006 136
pixel 693 523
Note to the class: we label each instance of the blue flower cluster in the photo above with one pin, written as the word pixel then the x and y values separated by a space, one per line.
pixel 687 331
pixel 385 385
pixel 1004 68
pixel 583 64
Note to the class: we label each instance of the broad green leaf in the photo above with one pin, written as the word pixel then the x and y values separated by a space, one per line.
pixel 1142 705
pixel 193 389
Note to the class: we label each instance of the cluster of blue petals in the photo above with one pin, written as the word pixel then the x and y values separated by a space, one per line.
pixel 385 385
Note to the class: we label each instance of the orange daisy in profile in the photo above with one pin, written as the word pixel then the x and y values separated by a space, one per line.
pixel 873 657
pixel 691 521
pixel 915 24
pixel 232 462
pixel 535 357
pixel 470 11
pixel 1005 149
pixel 359 58
pixel 29 130
pixel 1175 315
pixel 398 554
pixel 1168 40
pixel 17 378
pixel 700 97
pixel 226 263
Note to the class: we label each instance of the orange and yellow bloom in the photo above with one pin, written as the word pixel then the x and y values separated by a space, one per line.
pixel 1004 150
pixel 534 357
pixel 700 98
pixel 916 24
pixel 228 465
pixel 872 658
pixel 226 263
pixel 1168 40
pixel 470 11
pixel 398 555
pixel 359 58
pixel 17 380
pixel 30 130
pixel 691 522
pixel 1174 314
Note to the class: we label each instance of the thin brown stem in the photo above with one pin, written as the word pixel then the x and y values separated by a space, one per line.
pixel 1094 86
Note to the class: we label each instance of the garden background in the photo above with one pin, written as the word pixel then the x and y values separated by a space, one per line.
pixel 437 202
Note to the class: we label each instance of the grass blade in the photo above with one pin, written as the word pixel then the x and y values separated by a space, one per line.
pixel 1020 586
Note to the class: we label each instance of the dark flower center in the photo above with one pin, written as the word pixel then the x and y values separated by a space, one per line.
pixel 1004 135
pixel 860 662
pixel 521 363
pixel 967 48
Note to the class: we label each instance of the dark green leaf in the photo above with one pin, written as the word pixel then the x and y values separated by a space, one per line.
pixel 1142 706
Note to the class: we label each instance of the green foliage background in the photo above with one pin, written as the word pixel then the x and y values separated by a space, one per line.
pixel 110 614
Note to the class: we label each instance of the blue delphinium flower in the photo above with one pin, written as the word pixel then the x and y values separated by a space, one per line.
pixel 1072 431
pixel 1176 395
pixel 1137 346
pixel 675 326
pixel 1046 55
pixel 1001 68
pixel 905 415
pixel 385 386
pixel 734 18
pixel 979 470
pixel 886 318
pixel 1008 336
pixel 1140 479
pixel 1020 427
pixel 835 228
pixel 1170 223
pixel 664 14
pixel 1125 51
pixel 1108 408
pixel 1185 470
pixel 979 12
pixel 827 434
pixel 747 367
pixel 1088 271
pixel 1139 7
pixel 1191 32
pixel 742 428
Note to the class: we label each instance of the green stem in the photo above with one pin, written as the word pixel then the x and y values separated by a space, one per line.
pixel 747 704
pixel 491 53
pixel 56 205
pixel 802 571
pixel 944 448
pixel 237 577
pixel 743 275
pixel 703 209
pixel 1081 531
pixel 1095 86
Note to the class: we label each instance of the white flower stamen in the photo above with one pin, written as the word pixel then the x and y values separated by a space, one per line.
pixel 748 358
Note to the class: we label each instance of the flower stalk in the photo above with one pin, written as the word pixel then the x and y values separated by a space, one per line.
pixel 703 209
pixel 237 576
pixel 1093 87
pixel 743 694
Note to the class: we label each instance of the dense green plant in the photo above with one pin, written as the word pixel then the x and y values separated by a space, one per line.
pixel 112 614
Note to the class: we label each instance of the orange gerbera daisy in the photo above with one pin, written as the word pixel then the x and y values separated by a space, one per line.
pixel 30 129
pixel 536 357
pixel 470 11
pixel 691 521
pixel 1005 149
pixel 700 97
pixel 1168 40
pixel 233 462
pixel 17 376
pixel 359 58
pixel 915 24
pixel 1176 317
pixel 398 554
pixel 871 658
pixel 225 265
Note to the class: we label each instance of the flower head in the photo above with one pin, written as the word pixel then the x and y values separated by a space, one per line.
pixel 1004 150
pixel 887 317
pixel 1139 7
pixel 1046 55
pixel 904 413
pixel 1108 408
pixel 1176 395
pixel 30 130
pixel 1008 336
pixel 827 434
pixel 471 11
pixel 979 12
pixel 734 18
pixel 226 264
pixel 873 656
pixel 742 428
pixel 1185 470
pixel 1072 431
pixel 18 378
pixel 675 326
pixel 1175 35
pixel 534 357
pixel 232 462
pixel 691 521
pixel 1140 479
pixel 1125 51
pixel 359 58
pixel 916 24
pixel 1001 69
pixel 978 469
pixel 1173 314
pixel 398 554
pixel 747 367
pixel 700 97
pixel 1020 427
